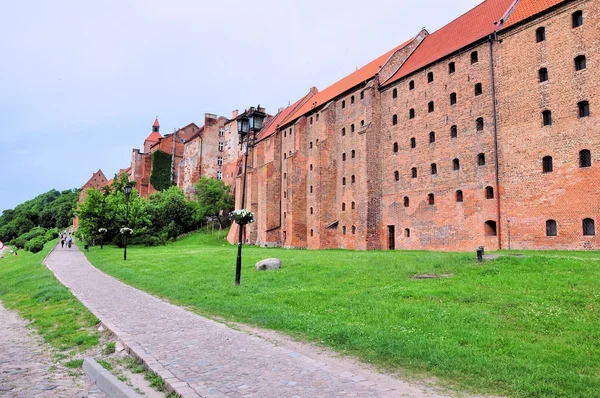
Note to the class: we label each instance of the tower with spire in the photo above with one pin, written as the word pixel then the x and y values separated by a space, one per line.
pixel 154 136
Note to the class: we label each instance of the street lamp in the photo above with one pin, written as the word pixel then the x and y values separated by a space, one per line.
pixel 103 222
pixel 249 123
pixel 128 188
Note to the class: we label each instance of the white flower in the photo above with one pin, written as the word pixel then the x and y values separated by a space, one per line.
pixel 127 231
pixel 242 216
pixel 102 230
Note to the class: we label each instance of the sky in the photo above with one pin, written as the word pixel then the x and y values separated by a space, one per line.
pixel 81 82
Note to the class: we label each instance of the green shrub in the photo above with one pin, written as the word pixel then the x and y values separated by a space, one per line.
pixel 35 245
pixel 18 243
pixel 33 233
pixel 51 234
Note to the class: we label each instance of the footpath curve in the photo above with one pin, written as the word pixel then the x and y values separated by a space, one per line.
pixel 198 357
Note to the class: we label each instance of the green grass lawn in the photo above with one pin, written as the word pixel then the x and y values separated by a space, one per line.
pixel 29 288
pixel 518 326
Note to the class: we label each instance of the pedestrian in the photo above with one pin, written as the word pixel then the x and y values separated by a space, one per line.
pixel 62 241
pixel 70 241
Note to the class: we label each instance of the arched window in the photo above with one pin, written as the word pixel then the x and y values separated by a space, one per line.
pixel 311 210
pixel 284 176
pixel 352 128
pixel 585 158
pixel 489 192
pixel 455 164
pixel 547 164
pixel 310 145
pixel 540 34
pixel 353 230
pixel 411 113
pixel 431 137
pixel 353 179
pixel 343 206
pixel 481 159
pixel 413 172
pixel 577 18
pixel 550 228
pixel 453 132
pixel 285 155
pixel 580 62
pixel 311 189
pixel 452 98
pixel 311 232
pixel 474 57
pixel 343 104
pixel 406 201
pixel 343 157
pixel 395 147
pixel 311 167
pixel 430 106
pixel 479 124
pixel 411 85
pixel 406 233
pixel 451 67
pixel 353 205
pixel 343 131
pixel 478 89
pixel 547 118
pixel 433 169
pixel 396 175
pixel 430 77
pixel 584 109
pixel 490 228
pixel 353 154
pixel 459 196
pixel 431 199
pixel 343 180
pixel 543 75
pixel 395 93
pixel 413 142
pixel 311 120
pixel 395 119
pixel 362 123
pixel 589 228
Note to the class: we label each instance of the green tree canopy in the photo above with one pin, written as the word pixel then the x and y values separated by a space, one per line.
pixel 212 196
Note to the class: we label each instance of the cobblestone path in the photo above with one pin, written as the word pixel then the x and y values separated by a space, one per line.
pixel 26 366
pixel 201 357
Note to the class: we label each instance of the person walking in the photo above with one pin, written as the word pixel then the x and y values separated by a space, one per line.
pixel 69 241
pixel 62 241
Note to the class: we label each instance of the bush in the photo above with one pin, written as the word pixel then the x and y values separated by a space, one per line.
pixel 51 234
pixel 33 233
pixel 35 245
pixel 18 243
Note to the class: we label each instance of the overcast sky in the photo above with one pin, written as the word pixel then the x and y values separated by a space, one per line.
pixel 81 82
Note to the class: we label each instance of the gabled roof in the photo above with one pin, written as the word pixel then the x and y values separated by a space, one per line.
pixel 470 27
pixel 363 74
pixel 154 137
pixel 156 124
pixel 528 8
pixel 273 122
pixel 97 180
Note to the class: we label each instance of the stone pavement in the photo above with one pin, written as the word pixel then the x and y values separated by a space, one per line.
pixel 26 366
pixel 200 357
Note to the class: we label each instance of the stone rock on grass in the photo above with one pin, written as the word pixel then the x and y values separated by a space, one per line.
pixel 268 263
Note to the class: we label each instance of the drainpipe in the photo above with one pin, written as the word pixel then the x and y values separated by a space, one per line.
pixel 492 39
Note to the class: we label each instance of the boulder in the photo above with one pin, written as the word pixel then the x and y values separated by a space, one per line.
pixel 268 263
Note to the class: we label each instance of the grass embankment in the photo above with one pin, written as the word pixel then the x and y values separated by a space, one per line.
pixel 519 326
pixel 31 289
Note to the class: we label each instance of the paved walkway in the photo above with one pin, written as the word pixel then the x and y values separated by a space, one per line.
pixel 201 357
pixel 26 366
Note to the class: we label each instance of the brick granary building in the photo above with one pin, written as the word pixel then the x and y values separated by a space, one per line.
pixel 482 133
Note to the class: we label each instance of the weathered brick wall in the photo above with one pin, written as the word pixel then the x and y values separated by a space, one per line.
pixel 569 193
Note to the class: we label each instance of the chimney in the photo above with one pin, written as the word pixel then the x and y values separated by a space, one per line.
pixel 234 114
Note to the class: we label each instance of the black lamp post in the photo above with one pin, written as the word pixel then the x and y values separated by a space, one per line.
pixel 103 222
pixel 128 188
pixel 249 123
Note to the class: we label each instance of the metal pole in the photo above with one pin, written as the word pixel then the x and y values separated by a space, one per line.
pixel 126 223
pixel 238 264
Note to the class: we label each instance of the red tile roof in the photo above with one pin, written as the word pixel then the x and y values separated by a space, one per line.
pixel 156 124
pixel 529 8
pixel 360 76
pixel 275 121
pixel 154 137
pixel 474 25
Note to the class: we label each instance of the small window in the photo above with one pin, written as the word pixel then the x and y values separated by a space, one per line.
pixel 474 57
pixel 220 161
pixel 395 147
pixel 453 99
pixel 455 164
pixel 311 167
pixel 284 215
pixel 395 119
pixel 352 128
pixel 478 89
pixel 284 196
pixel 585 158
pixel 433 169
pixel 413 172
pixel 451 67
pixel 489 192
pixel 490 228
pixel 219 175
pixel 284 134
pixel 413 142
pixel 353 179
pixel 285 176
pixel 310 145
pixel 317 117
pixel 343 157
pixel 396 175
pixel 311 232
pixel 580 62
pixel 362 95
pixel 431 137
pixel 589 228
pixel 343 131
pixel 311 210
pixel 352 99
pixel 221 146
pixel 343 104
pixel 411 85
pixel 543 74
pixel 353 154
pixel 481 159
pixel 311 120
pixel 459 196
pixel 584 109
pixel 577 18
pixel 362 123
pixel 353 229
pixel 547 118
pixel 550 228
pixel 221 132
pixel 343 206
pixel 431 199
pixel 343 180
pixel 540 34
pixel 430 77
pixel 285 155
pixel 411 113
pixel 290 153
pixel 395 93
pixel 344 230
pixel 453 132
pixel 479 124
pixel 406 201
pixel 430 106
pixel 353 206
pixel 547 164
pixel 407 233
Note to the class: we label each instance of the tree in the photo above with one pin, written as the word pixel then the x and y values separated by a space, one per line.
pixel 212 196
pixel 171 213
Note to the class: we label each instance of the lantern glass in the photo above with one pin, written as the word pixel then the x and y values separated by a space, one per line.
pixel 257 118
pixel 128 189
pixel 243 125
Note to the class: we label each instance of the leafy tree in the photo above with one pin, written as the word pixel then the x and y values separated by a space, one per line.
pixel 212 197
pixel 171 213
